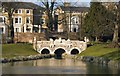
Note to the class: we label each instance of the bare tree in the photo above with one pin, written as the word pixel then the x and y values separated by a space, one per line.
pixel 116 25
pixel 10 7
pixel 49 6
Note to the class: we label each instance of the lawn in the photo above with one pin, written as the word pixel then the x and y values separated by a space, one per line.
pixel 102 51
pixel 19 49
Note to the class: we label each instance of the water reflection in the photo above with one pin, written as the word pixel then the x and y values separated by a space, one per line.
pixel 56 66
pixel 58 56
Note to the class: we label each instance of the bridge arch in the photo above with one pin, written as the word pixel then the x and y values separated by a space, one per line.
pixel 45 50
pixel 74 51
pixel 59 50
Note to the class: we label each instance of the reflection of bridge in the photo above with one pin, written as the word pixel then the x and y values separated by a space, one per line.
pixel 59 46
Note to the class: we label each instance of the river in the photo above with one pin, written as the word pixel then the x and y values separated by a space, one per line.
pixel 57 66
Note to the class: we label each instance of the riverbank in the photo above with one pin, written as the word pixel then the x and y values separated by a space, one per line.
pixel 20 52
pixel 26 58
pixel 101 50
pixel 100 54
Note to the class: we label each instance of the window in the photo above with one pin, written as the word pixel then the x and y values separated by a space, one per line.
pixel 27 11
pixel 74 30
pixel 20 11
pixel 2 29
pixel 1 19
pixel 17 29
pixel 18 20
pixel 16 11
pixel 28 20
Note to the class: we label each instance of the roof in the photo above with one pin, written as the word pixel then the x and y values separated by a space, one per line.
pixel 25 5
pixel 75 9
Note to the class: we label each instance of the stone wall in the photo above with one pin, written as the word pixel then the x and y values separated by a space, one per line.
pixel 3 38
pixel 100 60
pixel 28 37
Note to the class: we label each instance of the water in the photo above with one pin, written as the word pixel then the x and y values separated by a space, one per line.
pixel 57 66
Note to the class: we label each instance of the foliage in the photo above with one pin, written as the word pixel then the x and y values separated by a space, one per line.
pixel 115 20
pixel 97 21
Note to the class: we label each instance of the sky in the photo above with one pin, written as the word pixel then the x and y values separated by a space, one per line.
pixel 56 0
pixel 65 0
pixel 74 2
pixel 71 0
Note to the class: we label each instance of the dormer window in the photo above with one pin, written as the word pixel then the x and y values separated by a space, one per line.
pixel 27 11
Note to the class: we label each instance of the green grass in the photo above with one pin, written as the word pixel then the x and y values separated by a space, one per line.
pixel 20 49
pixel 103 51
pixel 113 56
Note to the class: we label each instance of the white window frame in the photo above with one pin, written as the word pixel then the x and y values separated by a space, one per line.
pixel 29 20
pixel 28 10
pixel 17 30
pixel 18 11
pixel 18 20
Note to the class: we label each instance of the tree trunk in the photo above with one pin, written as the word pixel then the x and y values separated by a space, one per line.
pixel 96 39
pixel 12 30
pixel 115 35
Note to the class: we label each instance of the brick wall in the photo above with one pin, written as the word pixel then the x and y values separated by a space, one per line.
pixel 28 37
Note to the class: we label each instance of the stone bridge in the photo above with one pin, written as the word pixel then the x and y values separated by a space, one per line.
pixel 59 46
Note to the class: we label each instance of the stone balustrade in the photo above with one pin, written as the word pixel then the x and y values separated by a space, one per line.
pixel 53 45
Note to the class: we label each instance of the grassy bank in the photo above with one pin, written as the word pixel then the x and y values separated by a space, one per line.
pixel 12 50
pixel 100 50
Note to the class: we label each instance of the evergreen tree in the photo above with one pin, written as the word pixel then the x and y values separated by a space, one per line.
pixel 95 21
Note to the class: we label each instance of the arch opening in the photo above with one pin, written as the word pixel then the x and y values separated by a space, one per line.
pixel 75 30
pixel 59 51
pixel 45 51
pixel 74 51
